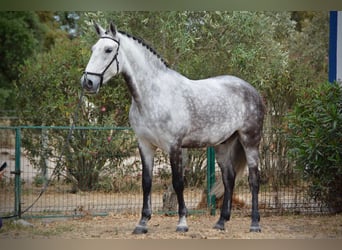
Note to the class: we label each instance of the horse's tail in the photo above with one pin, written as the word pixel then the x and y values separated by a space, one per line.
pixel 238 158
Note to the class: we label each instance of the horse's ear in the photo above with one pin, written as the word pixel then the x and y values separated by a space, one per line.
pixel 112 28
pixel 99 30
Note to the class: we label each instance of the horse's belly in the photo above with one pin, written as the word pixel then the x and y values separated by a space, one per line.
pixel 156 137
pixel 206 137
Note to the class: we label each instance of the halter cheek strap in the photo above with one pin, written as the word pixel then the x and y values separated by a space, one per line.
pixel 115 58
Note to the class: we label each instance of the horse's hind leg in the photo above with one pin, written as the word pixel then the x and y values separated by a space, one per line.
pixel 250 143
pixel 147 154
pixel 254 180
pixel 178 185
pixel 224 160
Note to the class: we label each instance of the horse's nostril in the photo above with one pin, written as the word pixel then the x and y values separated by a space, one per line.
pixel 89 83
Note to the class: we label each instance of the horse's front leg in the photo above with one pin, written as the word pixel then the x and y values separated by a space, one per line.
pixel 146 154
pixel 178 185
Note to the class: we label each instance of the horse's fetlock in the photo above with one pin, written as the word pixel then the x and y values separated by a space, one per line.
pixel 146 214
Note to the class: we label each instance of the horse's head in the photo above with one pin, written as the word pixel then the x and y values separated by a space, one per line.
pixel 103 63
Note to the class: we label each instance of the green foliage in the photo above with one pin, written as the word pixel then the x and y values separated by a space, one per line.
pixel 268 49
pixel 309 49
pixel 47 94
pixel 315 140
pixel 17 43
pixel 22 34
pixel 264 48
pixel 48 85
pixel 96 155
pixel 17 40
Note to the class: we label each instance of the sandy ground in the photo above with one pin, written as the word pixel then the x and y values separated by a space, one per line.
pixel 163 227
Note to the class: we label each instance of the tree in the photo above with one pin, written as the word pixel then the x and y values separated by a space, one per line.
pixel 309 49
pixel 68 22
pixel 22 34
pixel 264 48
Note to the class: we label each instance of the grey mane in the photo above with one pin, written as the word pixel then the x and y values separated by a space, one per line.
pixel 147 46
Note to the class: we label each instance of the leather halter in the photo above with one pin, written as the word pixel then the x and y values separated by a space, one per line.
pixel 115 58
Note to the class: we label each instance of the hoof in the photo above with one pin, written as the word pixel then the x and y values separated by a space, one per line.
pixel 140 230
pixel 219 227
pixel 182 229
pixel 255 229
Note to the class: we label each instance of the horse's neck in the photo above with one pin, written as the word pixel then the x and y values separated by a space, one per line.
pixel 140 69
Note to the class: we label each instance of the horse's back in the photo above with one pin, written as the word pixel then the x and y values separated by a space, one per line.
pixel 219 107
pixel 230 84
pixel 229 94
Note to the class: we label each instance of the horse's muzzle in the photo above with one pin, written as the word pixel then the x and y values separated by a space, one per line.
pixel 89 85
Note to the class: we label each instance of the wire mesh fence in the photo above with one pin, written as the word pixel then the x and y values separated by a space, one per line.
pixel 99 171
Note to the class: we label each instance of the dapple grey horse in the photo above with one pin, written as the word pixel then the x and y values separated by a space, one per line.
pixel 171 112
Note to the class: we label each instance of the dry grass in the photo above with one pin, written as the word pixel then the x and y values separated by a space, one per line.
pixel 163 227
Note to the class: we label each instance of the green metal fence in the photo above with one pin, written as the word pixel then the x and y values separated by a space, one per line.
pixel 99 172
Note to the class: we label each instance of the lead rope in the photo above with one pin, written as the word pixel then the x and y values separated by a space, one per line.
pixel 59 159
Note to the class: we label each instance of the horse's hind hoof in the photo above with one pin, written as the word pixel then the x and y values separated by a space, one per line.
pixel 182 229
pixel 219 227
pixel 255 229
pixel 140 230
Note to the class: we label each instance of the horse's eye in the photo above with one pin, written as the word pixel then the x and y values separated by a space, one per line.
pixel 108 50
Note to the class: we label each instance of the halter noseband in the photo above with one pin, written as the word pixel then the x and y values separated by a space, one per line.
pixel 115 58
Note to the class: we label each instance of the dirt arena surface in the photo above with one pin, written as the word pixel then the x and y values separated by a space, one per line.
pixel 163 227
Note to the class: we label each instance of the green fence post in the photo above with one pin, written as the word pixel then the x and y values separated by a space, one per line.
pixel 211 199
pixel 17 179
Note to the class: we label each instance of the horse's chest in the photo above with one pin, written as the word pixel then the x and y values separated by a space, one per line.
pixel 160 126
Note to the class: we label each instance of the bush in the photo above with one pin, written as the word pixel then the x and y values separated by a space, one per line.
pixel 48 94
pixel 315 142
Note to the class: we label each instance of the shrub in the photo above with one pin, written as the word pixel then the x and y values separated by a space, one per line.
pixel 315 142
pixel 47 94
